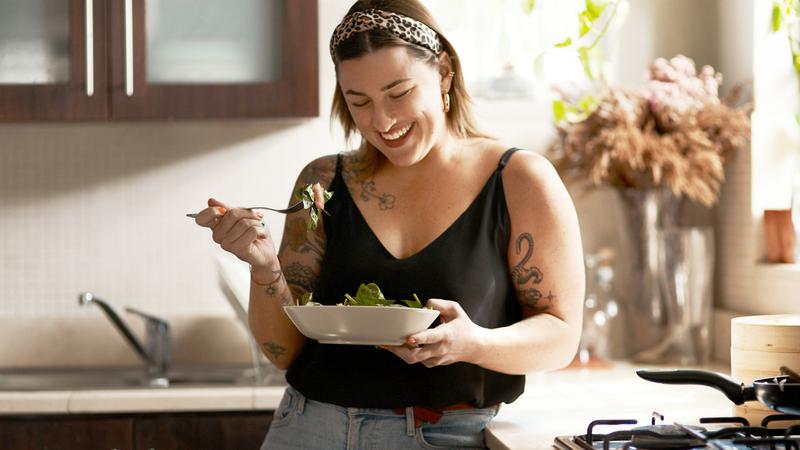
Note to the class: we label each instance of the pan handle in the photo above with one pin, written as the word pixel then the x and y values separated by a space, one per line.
pixel 732 388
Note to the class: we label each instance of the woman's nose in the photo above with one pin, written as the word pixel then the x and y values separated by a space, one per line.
pixel 382 119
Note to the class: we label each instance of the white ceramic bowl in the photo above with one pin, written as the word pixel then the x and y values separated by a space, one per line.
pixel 361 325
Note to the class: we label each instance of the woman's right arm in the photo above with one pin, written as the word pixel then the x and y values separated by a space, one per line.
pixel 295 271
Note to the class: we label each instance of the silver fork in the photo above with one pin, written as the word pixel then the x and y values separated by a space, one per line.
pixel 294 208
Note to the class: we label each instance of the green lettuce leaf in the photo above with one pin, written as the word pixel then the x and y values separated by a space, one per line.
pixel 306 195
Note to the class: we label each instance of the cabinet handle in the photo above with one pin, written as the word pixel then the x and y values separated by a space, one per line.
pixel 89 47
pixel 129 48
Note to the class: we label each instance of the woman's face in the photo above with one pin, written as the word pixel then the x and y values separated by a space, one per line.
pixel 396 102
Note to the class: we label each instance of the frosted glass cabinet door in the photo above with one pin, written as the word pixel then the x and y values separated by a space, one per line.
pixel 213 42
pixel 52 60
pixel 213 59
pixel 34 42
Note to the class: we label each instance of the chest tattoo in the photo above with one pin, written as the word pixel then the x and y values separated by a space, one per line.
pixel 357 174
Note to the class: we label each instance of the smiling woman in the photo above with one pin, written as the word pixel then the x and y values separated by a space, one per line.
pixel 497 253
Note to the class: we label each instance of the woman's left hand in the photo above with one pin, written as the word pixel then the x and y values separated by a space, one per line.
pixel 456 339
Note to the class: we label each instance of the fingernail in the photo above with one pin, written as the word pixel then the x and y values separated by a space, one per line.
pixel 260 216
pixel 222 210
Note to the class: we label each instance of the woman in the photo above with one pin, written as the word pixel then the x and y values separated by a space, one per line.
pixel 428 205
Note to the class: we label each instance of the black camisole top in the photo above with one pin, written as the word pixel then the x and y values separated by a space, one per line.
pixel 467 263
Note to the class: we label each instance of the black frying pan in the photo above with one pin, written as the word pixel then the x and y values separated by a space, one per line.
pixel 778 392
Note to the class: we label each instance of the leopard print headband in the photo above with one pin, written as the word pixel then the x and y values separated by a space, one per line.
pixel 403 27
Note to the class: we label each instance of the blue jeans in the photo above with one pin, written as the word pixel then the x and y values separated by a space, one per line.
pixel 302 423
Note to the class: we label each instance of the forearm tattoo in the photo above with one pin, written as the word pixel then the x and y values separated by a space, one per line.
pixel 273 349
pixel 272 288
pixel 298 238
pixel 525 275
pixel 278 289
pixel 301 279
pixel 357 171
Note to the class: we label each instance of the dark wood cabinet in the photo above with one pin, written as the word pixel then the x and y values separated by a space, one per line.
pixel 32 86
pixel 179 60
pixel 168 431
pixel 201 431
pixel 66 433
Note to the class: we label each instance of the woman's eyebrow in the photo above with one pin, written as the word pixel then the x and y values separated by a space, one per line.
pixel 383 89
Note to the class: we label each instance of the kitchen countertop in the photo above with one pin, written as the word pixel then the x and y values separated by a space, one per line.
pixel 141 400
pixel 564 402
pixel 554 403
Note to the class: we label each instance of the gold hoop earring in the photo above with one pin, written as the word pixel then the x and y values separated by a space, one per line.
pixel 446 100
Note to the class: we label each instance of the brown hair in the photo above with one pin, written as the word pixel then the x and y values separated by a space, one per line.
pixel 460 119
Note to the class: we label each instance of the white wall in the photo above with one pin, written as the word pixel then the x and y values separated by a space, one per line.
pixel 100 206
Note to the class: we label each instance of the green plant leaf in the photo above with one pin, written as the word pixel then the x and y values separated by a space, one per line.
pixel 413 303
pixel 305 299
pixel 797 118
pixel 559 111
pixel 777 16
pixel 306 195
pixel 370 295
pixel 586 22
pixel 595 8
pixel 587 103
pixel 585 58
pixel 529 6
pixel 349 300
pixel 565 43
pixel 583 108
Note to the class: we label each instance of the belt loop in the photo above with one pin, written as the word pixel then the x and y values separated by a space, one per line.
pixel 410 421
pixel 301 403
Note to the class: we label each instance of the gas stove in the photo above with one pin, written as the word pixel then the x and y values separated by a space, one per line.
pixel 712 433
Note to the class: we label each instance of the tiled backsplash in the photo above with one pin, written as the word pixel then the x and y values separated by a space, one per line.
pixel 102 208
pixel 91 340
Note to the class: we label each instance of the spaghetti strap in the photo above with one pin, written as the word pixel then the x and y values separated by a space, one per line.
pixel 338 164
pixel 506 156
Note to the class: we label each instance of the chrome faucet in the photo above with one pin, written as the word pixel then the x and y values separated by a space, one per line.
pixel 156 351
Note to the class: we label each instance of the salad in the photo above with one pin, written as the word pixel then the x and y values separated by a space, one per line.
pixel 314 198
pixel 368 295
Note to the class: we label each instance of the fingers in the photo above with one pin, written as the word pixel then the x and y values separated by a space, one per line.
pixel 210 216
pixel 429 355
pixel 252 231
pixel 234 229
pixel 214 202
pixel 233 224
pixel 319 196
pixel 427 337
pixel 445 307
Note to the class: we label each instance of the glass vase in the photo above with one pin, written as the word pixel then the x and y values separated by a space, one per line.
pixel 686 279
pixel 646 212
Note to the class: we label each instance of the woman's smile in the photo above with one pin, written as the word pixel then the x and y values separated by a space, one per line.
pixel 398 136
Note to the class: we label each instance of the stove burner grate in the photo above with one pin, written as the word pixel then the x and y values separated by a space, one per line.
pixel 678 436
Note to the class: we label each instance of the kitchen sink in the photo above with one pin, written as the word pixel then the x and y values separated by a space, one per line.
pixel 91 378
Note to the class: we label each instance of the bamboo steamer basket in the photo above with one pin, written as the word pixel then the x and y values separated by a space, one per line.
pixel 773 333
pixel 760 345
pixel 755 416
pixel 760 362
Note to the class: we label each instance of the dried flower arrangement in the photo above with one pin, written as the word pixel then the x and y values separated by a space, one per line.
pixel 673 133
